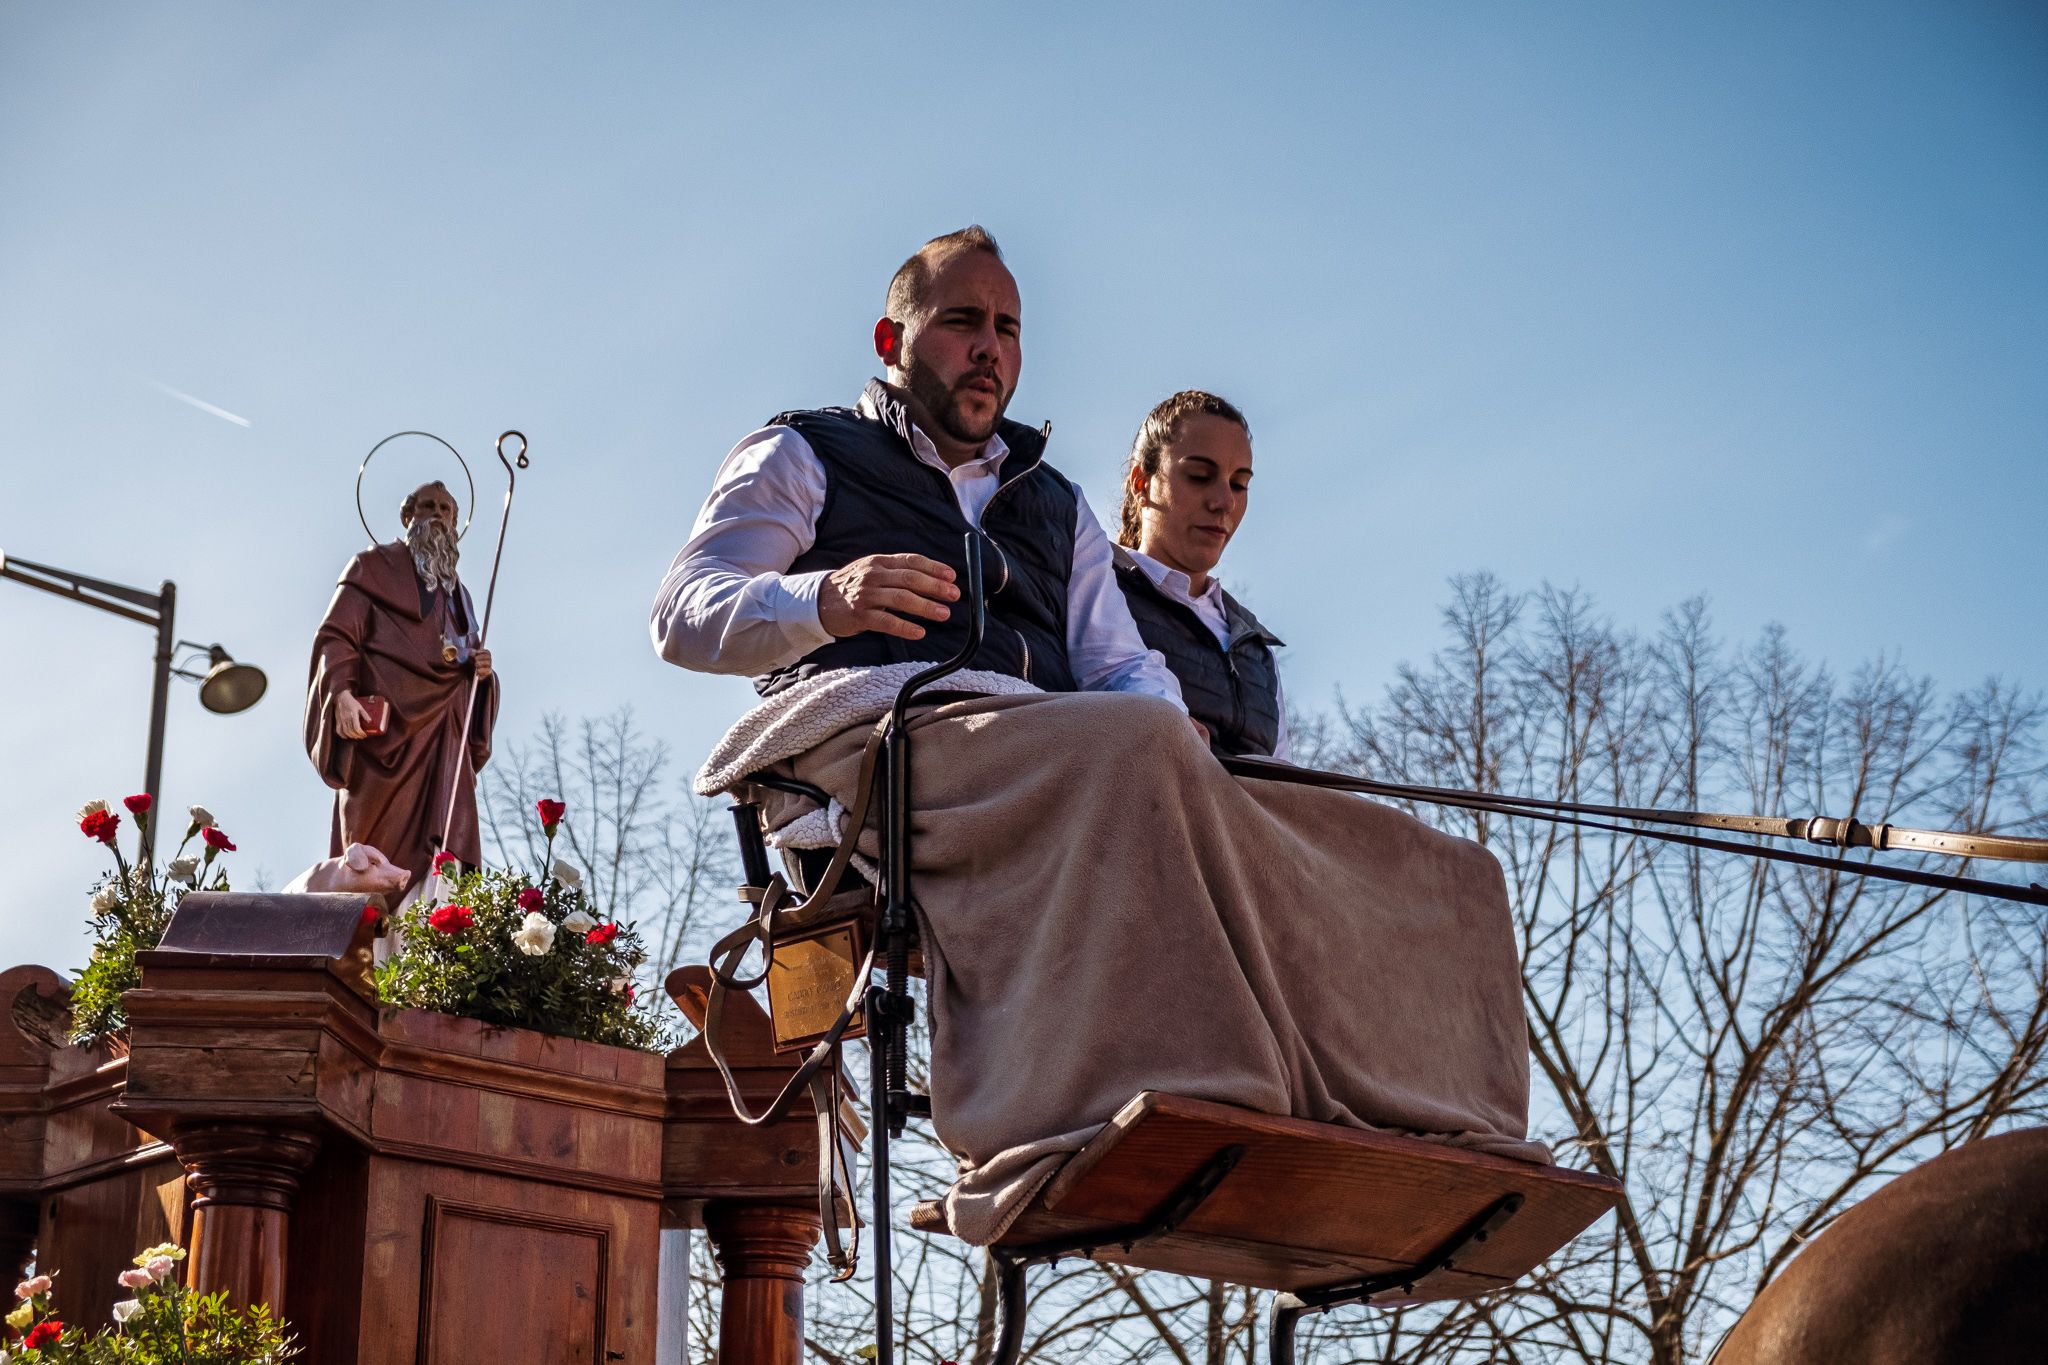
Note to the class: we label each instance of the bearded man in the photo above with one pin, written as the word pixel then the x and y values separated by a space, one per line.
pixel 402 630
pixel 833 537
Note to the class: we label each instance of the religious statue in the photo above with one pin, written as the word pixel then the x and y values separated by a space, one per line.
pixel 392 673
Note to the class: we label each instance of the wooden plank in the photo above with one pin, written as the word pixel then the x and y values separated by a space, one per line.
pixel 190 1073
pixel 519 1126
pixel 1310 1204
pixel 328 1250
pixel 416 1109
pixel 707 1160
pixel 467 1302
pixel 558 1263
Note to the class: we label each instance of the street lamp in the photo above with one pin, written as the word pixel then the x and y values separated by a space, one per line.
pixel 225 687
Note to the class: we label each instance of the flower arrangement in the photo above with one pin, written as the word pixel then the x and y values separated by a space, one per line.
pixel 522 952
pixel 164 1323
pixel 132 906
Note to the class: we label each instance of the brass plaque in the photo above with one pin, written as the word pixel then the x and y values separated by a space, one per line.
pixel 809 979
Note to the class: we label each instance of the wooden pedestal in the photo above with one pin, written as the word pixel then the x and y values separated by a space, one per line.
pixel 405 1188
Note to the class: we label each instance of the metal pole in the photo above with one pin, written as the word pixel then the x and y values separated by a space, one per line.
pixel 462 768
pixel 166 635
pixel 879 1038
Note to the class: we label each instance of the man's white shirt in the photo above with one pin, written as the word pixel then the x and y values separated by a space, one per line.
pixel 730 605
pixel 1208 608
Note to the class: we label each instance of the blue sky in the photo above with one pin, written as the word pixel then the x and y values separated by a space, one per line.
pixel 1654 300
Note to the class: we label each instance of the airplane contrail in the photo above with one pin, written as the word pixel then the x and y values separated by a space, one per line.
pixel 199 403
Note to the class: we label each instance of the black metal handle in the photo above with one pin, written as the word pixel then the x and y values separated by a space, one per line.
pixel 971 599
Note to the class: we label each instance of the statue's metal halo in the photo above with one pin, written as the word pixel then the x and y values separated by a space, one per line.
pixel 469 506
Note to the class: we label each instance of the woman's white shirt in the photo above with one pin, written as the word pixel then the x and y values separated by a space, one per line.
pixel 1208 607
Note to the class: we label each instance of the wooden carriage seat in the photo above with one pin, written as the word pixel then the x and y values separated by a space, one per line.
pixel 1307 1205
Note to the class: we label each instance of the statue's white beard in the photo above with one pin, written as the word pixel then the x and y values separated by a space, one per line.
pixel 435 551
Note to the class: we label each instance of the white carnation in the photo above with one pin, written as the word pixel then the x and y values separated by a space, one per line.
pixel 126 1309
pixel 567 875
pixel 184 870
pixel 578 922
pixel 202 818
pixel 107 897
pixel 536 934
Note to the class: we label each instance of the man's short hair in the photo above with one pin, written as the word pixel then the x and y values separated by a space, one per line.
pixel 412 501
pixel 914 277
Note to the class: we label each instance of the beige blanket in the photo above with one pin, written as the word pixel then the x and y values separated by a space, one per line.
pixel 1105 911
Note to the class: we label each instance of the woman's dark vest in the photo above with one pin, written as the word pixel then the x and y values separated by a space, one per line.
pixel 881 499
pixel 1234 691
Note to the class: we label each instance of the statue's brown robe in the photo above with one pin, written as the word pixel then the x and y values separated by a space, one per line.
pixel 392 789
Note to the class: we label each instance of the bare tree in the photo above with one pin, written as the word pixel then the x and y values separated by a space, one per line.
pixel 649 850
pixel 1751 1046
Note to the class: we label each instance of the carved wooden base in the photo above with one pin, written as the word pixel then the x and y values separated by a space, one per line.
pixel 762 1251
pixel 405 1188
pixel 244 1177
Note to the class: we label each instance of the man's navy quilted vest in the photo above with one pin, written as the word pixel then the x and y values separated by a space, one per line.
pixel 1234 691
pixel 881 499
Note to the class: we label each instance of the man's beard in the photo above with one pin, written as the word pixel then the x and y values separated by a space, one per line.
pixel 943 402
pixel 434 551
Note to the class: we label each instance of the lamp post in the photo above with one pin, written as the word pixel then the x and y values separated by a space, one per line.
pixel 225 688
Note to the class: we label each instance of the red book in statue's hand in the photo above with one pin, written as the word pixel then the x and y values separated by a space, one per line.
pixel 376 714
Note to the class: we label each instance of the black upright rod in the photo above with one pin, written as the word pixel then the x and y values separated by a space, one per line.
pixel 878 1100
pixel 159 698
pixel 889 1006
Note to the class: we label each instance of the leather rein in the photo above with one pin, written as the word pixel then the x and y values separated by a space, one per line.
pixel 1825 831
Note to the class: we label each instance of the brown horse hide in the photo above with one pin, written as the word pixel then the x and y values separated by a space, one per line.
pixel 1947 1265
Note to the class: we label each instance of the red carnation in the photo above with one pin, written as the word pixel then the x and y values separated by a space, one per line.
pixel 452 919
pixel 42 1334
pixel 551 813
pixel 630 992
pixel 371 914
pixel 444 860
pixel 530 899
pixel 217 839
pixel 139 804
pixel 100 825
pixel 602 934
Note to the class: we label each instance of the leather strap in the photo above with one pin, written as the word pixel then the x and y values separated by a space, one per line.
pixel 819 1072
pixel 1823 830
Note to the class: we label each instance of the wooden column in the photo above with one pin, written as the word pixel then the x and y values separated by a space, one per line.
pixel 754 1190
pixel 762 1250
pixel 244 1177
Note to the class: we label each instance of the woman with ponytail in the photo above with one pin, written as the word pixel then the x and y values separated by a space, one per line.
pixel 1186 487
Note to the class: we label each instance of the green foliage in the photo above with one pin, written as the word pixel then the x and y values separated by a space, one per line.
pixel 164 1324
pixel 134 924
pixel 131 908
pixel 561 982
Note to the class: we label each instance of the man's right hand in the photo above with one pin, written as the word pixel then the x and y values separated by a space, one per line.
pixel 880 591
pixel 350 716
